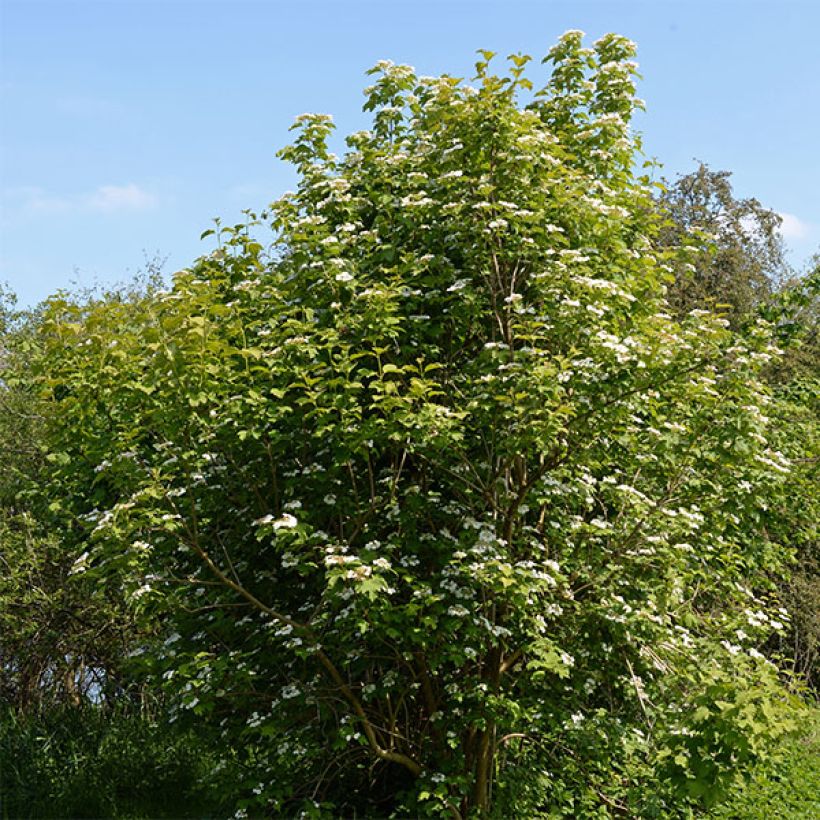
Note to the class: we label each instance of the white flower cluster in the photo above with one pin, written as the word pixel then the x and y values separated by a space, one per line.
pixel 284 522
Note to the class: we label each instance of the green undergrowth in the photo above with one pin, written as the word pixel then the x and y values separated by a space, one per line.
pixel 89 763
pixel 788 788
pixel 83 763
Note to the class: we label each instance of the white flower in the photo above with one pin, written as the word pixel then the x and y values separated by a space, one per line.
pixel 286 522
pixel 359 573
pixel 340 560
pixel 344 276
pixel 314 118
pixel 757 618
pixel 80 565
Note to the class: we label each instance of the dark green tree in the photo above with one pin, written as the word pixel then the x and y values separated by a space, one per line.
pixel 737 260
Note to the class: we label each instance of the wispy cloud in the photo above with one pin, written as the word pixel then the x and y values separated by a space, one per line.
pixel 793 227
pixel 104 199
pixel 121 198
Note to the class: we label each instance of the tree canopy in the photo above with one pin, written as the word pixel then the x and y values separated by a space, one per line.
pixel 740 260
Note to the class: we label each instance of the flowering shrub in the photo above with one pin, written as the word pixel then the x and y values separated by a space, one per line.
pixel 441 509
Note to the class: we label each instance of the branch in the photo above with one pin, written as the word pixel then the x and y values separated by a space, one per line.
pixel 384 754
pixel 511 661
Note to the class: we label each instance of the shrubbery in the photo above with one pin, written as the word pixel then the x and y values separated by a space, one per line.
pixel 95 763
pixel 433 507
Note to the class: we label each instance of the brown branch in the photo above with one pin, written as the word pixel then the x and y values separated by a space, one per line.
pixel 511 661
pixel 384 754
pixel 512 736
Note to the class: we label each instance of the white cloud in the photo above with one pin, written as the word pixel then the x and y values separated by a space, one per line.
pixel 793 227
pixel 121 198
pixel 104 199
pixel 29 198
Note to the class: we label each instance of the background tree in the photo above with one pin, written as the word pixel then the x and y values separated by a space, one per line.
pixel 739 263
pixel 795 380
pixel 80 734
pixel 61 642
pixel 740 271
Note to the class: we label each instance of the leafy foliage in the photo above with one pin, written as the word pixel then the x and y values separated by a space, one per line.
pixel 739 261
pixel 438 508
pixel 741 271
pixel 59 639
pixel 796 410
pixel 786 787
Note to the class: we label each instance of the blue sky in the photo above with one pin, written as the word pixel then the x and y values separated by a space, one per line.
pixel 127 125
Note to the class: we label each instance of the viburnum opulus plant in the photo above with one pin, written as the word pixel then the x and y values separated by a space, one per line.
pixel 442 511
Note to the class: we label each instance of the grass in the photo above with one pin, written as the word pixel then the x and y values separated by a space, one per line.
pixel 89 763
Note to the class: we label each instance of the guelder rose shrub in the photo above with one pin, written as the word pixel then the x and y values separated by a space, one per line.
pixel 442 512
